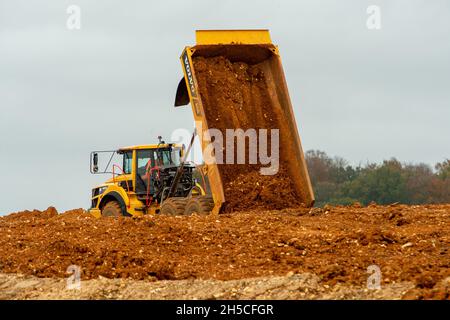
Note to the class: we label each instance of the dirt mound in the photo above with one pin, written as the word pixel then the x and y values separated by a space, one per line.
pixel 236 96
pixel 337 244
pixel 252 190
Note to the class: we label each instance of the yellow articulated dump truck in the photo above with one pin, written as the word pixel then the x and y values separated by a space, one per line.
pixel 235 84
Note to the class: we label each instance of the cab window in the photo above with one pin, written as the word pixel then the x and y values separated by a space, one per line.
pixel 127 162
pixel 143 157
pixel 168 156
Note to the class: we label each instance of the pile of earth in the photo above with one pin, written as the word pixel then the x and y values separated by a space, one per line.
pixel 407 243
pixel 235 95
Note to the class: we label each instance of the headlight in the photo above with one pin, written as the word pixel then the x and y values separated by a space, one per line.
pixel 102 189
pixel 98 191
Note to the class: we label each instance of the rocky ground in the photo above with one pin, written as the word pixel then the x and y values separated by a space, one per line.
pixel 286 254
pixel 297 286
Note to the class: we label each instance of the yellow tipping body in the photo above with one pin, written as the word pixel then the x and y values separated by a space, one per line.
pixel 252 47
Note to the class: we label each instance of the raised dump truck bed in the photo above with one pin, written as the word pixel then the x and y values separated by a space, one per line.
pixel 234 80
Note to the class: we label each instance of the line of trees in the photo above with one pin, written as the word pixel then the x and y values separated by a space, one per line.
pixel 336 182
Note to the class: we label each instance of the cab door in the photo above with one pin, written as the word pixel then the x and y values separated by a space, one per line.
pixel 144 161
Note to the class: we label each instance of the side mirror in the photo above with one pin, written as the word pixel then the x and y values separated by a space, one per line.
pixel 95 162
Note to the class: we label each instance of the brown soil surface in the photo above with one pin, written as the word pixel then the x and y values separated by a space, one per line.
pixel 255 191
pixel 235 95
pixel 408 243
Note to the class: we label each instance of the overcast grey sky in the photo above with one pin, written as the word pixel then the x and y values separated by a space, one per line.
pixel 365 95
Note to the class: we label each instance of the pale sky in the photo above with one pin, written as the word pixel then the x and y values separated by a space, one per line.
pixel 365 95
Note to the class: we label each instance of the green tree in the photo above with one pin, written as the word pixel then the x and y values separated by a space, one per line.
pixel 383 184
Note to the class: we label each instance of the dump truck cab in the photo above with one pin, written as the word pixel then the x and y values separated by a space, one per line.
pixel 142 180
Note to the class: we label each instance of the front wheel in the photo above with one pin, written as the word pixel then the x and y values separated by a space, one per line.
pixel 112 209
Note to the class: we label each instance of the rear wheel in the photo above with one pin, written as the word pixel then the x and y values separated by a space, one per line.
pixel 112 209
pixel 199 205
pixel 173 206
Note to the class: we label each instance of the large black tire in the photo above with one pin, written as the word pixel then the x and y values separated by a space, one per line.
pixel 173 206
pixel 199 205
pixel 112 209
